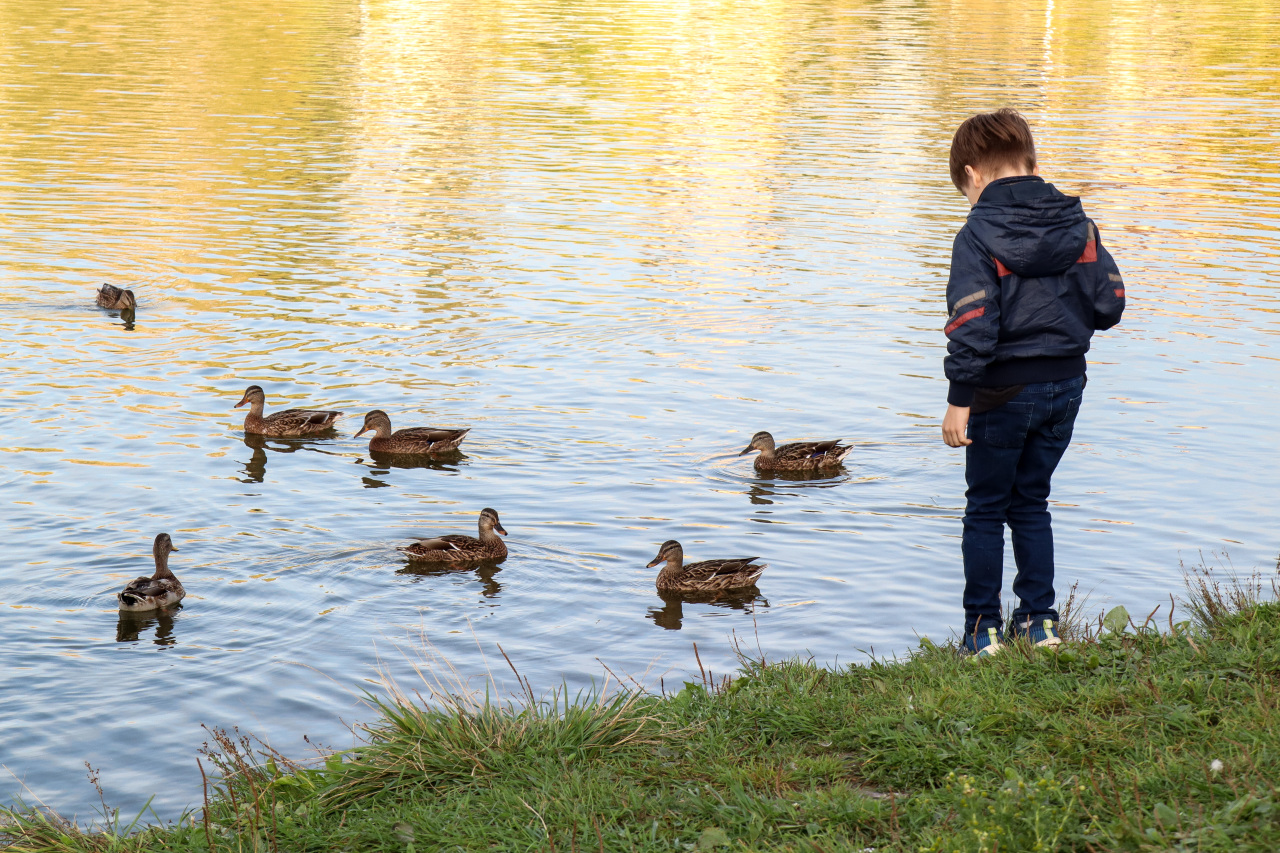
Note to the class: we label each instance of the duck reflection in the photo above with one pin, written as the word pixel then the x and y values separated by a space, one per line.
pixel 255 470
pixel 380 465
pixel 671 615
pixel 485 572
pixel 132 625
pixel 763 487
pixel 438 462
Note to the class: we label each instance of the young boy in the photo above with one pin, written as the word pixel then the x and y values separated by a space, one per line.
pixel 1030 283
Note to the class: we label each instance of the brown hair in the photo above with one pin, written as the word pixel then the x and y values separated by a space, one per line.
pixel 990 140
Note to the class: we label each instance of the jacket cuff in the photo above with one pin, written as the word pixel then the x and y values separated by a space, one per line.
pixel 960 394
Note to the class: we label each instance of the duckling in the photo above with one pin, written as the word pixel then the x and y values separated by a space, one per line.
pixel 797 456
pixel 110 296
pixel 456 548
pixel 411 441
pixel 161 589
pixel 290 422
pixel 706 576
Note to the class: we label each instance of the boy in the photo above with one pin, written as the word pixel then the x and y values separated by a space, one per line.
pixel 1030 283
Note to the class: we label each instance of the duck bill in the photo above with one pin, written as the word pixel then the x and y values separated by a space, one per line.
pixel 653 562
pixel 748 449
pixel 173 549
pixel 362 431
pixel 500 529
pixel 243 400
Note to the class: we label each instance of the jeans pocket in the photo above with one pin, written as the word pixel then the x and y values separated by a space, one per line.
pixel 1063 427
pixel 1008 425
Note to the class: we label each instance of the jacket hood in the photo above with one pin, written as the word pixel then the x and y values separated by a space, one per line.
pixel 1029 226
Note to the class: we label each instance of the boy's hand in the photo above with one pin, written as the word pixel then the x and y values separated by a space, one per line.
pixel 954 424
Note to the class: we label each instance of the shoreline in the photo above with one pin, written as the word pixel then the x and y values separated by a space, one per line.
pixel 1130 737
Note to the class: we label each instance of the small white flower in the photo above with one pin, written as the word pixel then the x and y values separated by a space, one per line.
pixel 1216 766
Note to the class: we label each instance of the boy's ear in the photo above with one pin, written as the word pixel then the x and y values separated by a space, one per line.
pixel 1035 170
pixel 974 174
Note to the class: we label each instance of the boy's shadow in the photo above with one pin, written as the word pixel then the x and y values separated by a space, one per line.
pixel 671 615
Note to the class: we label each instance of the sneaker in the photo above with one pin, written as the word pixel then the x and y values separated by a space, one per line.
pixel 983 645
pixel 1043 632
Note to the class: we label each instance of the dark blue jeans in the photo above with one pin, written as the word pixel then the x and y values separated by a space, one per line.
pixel 1015 450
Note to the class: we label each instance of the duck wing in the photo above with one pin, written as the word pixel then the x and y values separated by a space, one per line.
pixel 717 576
pixel 109 295
pixel 144 588
pixel 427 439
pixel 448 542
pixel 138 584
pixel 303 420
pixel 824 451
pixel 708 569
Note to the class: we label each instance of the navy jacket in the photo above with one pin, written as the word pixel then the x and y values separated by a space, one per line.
pixel 1030 283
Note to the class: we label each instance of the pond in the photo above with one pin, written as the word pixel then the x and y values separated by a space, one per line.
pixel 614 240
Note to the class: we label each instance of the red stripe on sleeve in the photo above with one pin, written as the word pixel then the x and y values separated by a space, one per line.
pixel 1120 292
pixel 1001 269
pixel 1090 253
pixel 964 318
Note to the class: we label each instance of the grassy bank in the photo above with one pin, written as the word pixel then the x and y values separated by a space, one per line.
pixel 1131 738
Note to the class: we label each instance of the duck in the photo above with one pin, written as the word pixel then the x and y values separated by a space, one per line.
pixel 161 589
pixel 457 548
pixel 797 456
pixel 706 576
pixel 110 296
pixel 413 440
pixel 290 422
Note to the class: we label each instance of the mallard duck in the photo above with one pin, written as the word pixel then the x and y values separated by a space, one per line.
pixel 706 576
pixel 414 440
pixel 110 296
pixel 797 456
pixel 290 422
pixel 161 589
pixel 456 548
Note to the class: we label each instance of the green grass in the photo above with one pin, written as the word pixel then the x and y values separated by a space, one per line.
pixel 1131 738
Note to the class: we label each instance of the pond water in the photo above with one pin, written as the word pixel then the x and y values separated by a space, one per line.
pixel 614 239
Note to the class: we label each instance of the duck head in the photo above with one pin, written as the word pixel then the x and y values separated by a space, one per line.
pixel 126 301
pixel 761 441
pixel 253 396
pixel 162 548
pixel 378 423
pixel 163 545
pixel 489 521
pixel 670 552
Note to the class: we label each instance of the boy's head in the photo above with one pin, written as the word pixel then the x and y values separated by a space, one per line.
pixel 989 146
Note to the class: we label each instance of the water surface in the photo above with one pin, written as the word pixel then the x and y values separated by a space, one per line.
pixel 615 240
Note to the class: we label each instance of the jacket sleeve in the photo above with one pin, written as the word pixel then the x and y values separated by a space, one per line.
pixel 973 317
pixel 1108 287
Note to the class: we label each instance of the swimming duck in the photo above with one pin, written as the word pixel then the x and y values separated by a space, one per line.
pixel 706 576
pixel 290 422
pixel 456 548
pixel 110 296
pixel 797 456
pixel 414 440
pixel 161 589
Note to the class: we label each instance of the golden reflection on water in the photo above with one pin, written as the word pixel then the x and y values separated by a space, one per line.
pixel 384 129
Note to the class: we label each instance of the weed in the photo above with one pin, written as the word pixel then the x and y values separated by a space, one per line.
pixel 1133 737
